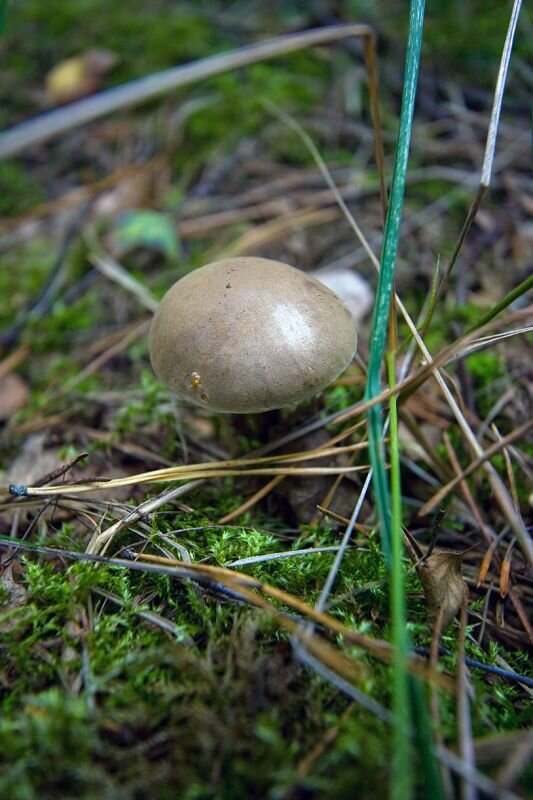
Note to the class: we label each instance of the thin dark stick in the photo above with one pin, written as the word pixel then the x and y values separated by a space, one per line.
pixel 506 674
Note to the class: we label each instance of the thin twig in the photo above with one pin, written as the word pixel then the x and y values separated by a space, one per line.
pixel 488 158
pixel 44 127
pixel 437 499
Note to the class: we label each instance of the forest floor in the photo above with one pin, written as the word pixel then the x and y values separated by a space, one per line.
pixel 184 663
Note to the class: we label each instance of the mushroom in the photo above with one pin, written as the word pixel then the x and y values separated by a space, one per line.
pixel 249 334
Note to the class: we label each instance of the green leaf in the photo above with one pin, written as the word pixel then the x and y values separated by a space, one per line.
pixel 146 229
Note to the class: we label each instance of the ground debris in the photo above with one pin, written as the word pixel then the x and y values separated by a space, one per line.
pixel 444 586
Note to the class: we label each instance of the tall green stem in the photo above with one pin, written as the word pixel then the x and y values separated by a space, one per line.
pixel 402 774
pixel 390 514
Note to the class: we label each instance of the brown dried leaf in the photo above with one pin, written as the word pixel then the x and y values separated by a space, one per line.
pixel 485 564
pixel 14 394
pixel 443 584
pixel 33 461
pixel 78 76
pixel 504 577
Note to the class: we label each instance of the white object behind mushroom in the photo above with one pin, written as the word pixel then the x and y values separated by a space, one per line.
pixel 352 289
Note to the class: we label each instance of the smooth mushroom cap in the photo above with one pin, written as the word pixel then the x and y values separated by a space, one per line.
pixel 249 334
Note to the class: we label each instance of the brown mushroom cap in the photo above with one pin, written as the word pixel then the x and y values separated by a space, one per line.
pixel 249 334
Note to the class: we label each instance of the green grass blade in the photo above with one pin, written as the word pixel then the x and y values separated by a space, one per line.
pixel 402 773
pixel 425 742
pixel 517 292
pixel 390 515
pixel 411 714
pixel 386 276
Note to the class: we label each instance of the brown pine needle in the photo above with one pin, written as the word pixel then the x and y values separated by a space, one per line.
pixel 253 500
pixel 485 564
pixel 268 487
pixel 318 750
pixel 437 499
pixel 466 491
pixel 506 571
pixel 212 469
pixel 343 520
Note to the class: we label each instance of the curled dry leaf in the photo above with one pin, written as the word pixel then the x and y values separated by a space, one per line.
pixel 78 76
pixel 485 564
pixel 443 584
pixel 504 577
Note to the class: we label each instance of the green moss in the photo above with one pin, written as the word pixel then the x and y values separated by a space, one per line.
pixel 92 677
pixel 22 275
pixel 142 690
pixel 486 367
pixel 19 192
pixel 150 406
pixel 468 38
